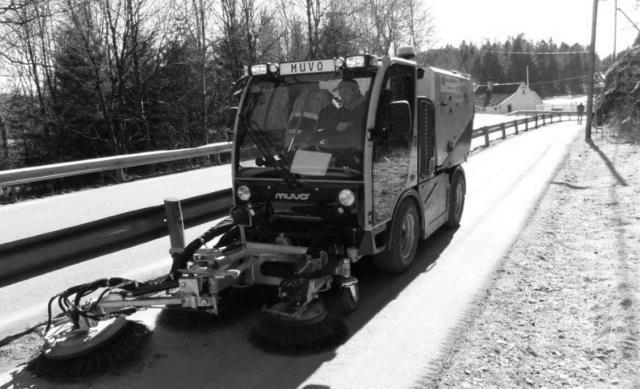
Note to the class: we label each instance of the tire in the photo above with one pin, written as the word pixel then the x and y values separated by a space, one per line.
pixel 402 242
pixel 456 199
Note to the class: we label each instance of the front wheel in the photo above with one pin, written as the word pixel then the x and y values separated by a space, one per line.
pixel 402 242
pixel 456 199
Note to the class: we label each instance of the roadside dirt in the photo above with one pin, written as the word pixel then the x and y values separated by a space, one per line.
pixel 563 309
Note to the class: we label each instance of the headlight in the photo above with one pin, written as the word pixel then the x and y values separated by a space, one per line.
pixel 273 68
pixel 356 62
pixel 243 192
pixel 346 197
pixel 259 69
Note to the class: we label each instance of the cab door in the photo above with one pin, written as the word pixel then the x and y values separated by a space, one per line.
pixel 393 170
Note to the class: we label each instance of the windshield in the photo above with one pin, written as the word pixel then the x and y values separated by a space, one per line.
pixel 303 126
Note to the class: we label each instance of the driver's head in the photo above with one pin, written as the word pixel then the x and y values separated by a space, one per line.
pixel 349 91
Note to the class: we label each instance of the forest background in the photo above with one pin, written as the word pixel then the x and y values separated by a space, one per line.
pixel 93 78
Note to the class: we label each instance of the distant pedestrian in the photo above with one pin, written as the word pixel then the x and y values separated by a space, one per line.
pixel 580 109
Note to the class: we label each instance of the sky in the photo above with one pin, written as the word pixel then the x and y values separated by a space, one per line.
pixel 561 20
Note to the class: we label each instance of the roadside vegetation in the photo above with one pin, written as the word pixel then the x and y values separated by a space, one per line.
pixel 86 79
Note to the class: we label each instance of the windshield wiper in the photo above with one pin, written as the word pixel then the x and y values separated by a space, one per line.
pixel 346 170
pixel 264 145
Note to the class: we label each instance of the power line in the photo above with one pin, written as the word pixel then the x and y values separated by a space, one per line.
pixel 628 18
pixel 536 52
pixel 551 82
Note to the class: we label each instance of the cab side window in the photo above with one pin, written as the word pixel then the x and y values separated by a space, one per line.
pixel 398 86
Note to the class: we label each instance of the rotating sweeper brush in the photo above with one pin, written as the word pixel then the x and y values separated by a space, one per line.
pixel 85 341
pixel 313 329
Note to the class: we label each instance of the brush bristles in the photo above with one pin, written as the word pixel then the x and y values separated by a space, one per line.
pixel 281 338
pixel 115 352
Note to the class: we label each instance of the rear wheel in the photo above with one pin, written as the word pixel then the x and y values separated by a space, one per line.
pixel 402 243
pixel 456 199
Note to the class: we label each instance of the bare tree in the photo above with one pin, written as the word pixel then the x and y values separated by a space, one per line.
pixel 314 14
pixel 385 25
pixel 420 24
pixel 90 31
pixel 139 45
pixel 199 9
pixel 5 141
pixel 26 45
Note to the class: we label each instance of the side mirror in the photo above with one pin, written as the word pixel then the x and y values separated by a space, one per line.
pixel 400 119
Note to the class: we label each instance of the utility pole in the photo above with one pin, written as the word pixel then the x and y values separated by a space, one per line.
pixel 592 70
pixel 615 28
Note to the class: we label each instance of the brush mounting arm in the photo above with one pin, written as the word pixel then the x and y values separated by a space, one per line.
pixel 115 302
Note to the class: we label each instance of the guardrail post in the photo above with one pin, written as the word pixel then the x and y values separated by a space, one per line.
pixel 120 176
pixel 504 131
pixel 486 137
pixel 175 223
pixel 516 126
pixel 536 121
pixel 526 124
pixel 544 120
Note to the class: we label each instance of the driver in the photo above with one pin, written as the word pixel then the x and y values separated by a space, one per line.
pixel 350 115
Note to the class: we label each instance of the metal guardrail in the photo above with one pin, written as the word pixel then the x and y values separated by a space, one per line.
pixel 38 254
pixel 518 125
pixel 41 253
pixel 47 172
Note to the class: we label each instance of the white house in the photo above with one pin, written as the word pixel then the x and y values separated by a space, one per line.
pixel 505 98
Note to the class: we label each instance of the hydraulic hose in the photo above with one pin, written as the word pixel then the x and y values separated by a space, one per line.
pixel 180 260
pixel 72 309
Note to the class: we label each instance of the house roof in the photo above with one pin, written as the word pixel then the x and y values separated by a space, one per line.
pixel 500 92
pixel 490 100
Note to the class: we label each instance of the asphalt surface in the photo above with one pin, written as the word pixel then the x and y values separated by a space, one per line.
pixel 401 325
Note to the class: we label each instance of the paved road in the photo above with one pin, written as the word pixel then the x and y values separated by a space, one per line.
pixel 57 212
pixel 402 323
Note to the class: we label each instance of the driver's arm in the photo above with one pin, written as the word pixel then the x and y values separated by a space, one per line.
pixel 327 117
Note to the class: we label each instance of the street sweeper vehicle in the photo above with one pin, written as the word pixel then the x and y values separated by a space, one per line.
pixel 333 160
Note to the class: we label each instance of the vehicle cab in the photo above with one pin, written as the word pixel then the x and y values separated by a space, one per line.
pixel 298 167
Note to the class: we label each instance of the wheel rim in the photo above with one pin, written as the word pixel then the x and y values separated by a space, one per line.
pixel 407 235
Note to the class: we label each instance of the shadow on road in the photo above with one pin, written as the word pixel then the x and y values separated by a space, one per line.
pixel 220 355
pixel 608 162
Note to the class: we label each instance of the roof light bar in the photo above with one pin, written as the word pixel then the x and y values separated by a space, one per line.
pixel 259 69
pixel 361 61
pixel 356 62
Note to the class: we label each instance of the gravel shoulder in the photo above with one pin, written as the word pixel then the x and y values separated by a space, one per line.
pixel 563 309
